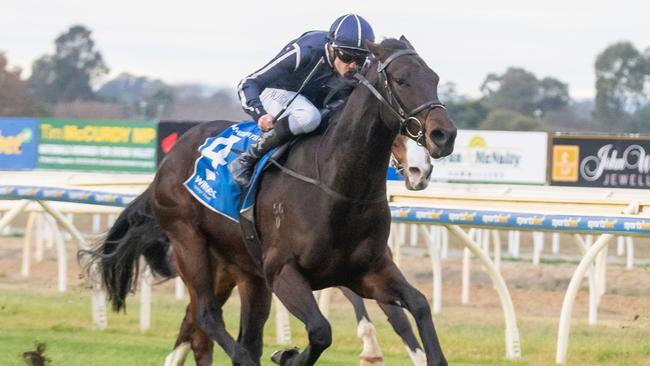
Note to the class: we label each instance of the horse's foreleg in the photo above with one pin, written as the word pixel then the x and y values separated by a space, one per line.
pixel 386 284
pixel 402 327
pixel 194 265
pixel 371 354
pixel 296 294
pixel 255 308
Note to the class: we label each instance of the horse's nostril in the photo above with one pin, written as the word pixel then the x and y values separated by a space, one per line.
pixel 438 136
pixel 415 171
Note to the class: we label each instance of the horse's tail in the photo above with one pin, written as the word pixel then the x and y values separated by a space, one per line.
pixel 135 233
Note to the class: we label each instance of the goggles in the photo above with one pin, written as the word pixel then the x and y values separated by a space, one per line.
pixel 347 57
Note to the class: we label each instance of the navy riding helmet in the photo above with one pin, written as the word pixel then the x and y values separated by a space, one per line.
pixel 349 31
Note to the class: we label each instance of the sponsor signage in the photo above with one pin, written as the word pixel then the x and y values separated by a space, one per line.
pixel 625 225
pixel 119 146
pixel 601 161
pixel 18 143
pixel 495 157
pixel 168 134
pixel 170 131
pixel 66 195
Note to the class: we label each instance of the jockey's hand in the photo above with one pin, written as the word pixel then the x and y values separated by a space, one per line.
pixel 265 122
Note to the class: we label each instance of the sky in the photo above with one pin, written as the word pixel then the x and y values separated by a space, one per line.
pixel 220 42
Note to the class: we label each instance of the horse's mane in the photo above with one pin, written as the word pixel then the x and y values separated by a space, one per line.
pixel 390 45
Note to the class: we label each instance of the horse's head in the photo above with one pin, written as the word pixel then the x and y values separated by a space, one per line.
pixel 409 89
pixel 412 162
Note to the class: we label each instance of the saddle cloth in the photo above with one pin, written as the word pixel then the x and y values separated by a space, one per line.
pixel 211 182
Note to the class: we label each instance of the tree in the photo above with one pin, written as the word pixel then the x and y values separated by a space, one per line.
pixel 519 90
pixel 622 76
pixel 641 119
pixel 13 96
pixel 158 102
pixel 553 95
pixel 68 75
pixel 506 120
pixel 467 113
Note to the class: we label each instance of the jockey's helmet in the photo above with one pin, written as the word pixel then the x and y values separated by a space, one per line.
pixel 349 32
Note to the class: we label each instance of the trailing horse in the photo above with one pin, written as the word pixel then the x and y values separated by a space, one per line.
pixel 314 235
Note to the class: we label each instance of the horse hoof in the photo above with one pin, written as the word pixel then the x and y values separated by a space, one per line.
pixel 371 361
pixel 281 357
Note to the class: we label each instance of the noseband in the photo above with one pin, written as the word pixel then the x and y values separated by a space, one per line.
pixel 394 105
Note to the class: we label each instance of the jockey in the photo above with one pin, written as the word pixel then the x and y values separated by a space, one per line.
pixel 309 64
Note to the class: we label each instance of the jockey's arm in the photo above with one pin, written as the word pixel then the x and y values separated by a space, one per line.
pixel 281 67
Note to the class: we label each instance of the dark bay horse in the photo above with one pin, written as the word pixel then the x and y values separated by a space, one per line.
pixel 314 236
pixel 136 232
pixel 413 163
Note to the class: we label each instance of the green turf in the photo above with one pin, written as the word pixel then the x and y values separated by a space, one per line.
pixel 469 336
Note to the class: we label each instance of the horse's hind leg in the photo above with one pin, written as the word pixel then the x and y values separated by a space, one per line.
pixel 255 308
pixel 189 339
pixel 192 338
pixel 402 327
pixel 371 354
pixel 386 284
pixel 194 265
pixel 296 294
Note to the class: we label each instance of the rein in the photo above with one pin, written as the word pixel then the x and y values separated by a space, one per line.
pixel 394 105
pixel 316 181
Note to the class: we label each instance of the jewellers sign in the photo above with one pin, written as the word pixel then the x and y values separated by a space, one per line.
pixel 601 161
pixel 495 157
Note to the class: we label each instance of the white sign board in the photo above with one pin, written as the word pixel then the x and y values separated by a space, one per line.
pixel 495 157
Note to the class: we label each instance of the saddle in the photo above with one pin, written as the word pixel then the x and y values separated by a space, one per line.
pixel 247 213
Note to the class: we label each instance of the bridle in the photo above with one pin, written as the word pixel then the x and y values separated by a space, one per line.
pixel 396 108
pixel 394 105
pixel 396 164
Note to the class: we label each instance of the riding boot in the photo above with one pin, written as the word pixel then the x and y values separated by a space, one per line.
pixel 241 168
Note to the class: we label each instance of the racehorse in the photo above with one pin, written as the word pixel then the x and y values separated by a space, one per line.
pixel 314 235
pixel 145 236
pixel 413 163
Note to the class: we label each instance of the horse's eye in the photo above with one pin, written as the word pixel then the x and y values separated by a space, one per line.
pixel 400 82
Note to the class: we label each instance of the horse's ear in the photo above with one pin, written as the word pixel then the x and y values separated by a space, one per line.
pixel 374 48
pixel 403 39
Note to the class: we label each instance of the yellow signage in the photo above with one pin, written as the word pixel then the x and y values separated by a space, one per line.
pixel 12 145
pixel 565 163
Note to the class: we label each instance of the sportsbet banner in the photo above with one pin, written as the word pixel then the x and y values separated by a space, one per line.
pixel 495 157
pixel 601 161
pixel 120 146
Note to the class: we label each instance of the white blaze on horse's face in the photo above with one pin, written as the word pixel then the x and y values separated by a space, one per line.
pixel 418 166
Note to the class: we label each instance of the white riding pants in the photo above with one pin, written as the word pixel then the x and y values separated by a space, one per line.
pixel 304 117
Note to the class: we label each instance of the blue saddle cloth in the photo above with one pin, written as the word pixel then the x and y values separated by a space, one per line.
pixel 212 183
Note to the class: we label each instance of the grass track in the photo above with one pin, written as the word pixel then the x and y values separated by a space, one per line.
pixel 469 336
